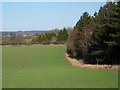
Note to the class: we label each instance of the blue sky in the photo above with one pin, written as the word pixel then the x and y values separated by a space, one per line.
pixel 27 16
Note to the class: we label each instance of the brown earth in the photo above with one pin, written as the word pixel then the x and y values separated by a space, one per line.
pixel 77 63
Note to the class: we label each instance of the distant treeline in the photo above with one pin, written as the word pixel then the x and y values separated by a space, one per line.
pixel 51 37
pixel 15 39
pixel 56 36
pixel 96 39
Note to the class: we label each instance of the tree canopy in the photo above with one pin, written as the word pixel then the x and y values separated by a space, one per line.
pixel 96 39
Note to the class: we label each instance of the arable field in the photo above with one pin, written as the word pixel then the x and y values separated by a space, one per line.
pixel 45 67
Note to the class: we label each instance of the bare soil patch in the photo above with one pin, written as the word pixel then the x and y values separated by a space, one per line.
pixel 77 63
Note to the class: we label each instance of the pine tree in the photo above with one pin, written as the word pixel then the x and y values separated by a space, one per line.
pixel 104 43
pixel 82 35
pixel 62 35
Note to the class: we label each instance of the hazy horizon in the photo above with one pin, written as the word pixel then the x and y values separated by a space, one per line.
pixel 23 30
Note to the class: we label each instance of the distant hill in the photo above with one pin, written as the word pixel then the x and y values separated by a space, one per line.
pixel 22 32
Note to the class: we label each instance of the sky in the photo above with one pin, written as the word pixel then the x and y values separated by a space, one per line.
pixel 27 16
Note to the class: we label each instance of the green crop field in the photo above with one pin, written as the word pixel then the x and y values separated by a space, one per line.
pixel 45 67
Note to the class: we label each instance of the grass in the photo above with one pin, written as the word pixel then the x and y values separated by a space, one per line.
pixel 45 67
pixel 0 67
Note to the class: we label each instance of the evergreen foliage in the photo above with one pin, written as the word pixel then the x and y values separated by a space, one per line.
pixel 97 38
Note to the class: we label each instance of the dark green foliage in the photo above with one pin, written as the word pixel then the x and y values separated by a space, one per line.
pixel 105 41
pixel 51 37
pixel 43 38
pixel 97 38
pixel 62 35
pixel 83 34
pixel 81 38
